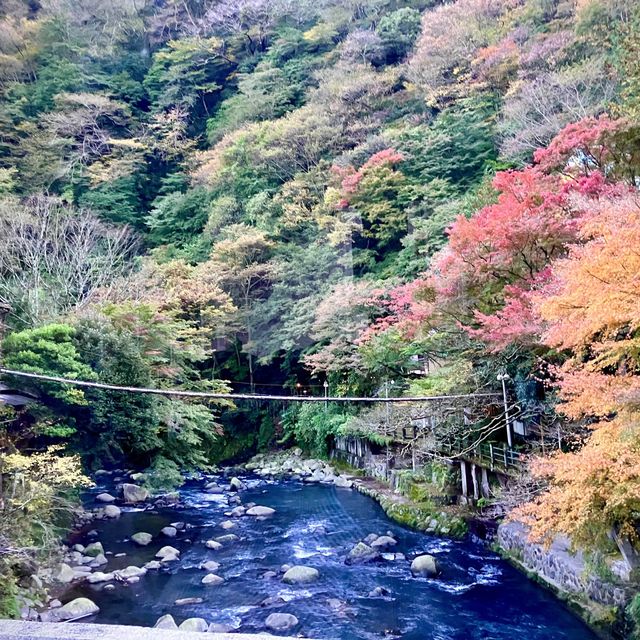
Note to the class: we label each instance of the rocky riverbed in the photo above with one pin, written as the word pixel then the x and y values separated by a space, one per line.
pixel 286 546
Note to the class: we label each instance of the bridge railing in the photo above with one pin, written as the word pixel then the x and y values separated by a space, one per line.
pixel 493 456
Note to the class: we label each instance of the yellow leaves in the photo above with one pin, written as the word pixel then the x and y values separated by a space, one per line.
pixel 54 470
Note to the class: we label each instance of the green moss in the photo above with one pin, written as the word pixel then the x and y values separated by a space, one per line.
pixel 425 517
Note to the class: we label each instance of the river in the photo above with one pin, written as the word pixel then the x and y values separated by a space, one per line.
pixel 477 596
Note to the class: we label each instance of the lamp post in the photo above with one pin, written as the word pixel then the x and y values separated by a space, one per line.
pixel 503 377
pixel 326 394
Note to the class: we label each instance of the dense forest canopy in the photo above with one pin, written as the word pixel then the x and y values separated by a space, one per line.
pixel 235 194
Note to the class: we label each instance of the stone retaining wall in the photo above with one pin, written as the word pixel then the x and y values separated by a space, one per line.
pixel 566 572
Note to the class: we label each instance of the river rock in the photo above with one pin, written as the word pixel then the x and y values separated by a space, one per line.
pixel 79 548
pixel 260 511
pixel 210 565
pixel 138 477
pixel 378 592
pixel 165 622
pixel 130 572
pixel 425 565
pixel 361 553
pixel 185 601
pixel 78 608
pixel 65 574
pixel 133 493
pixel 384 542
pixel 99 576
pixel 227 524
pixel 194 624
pixel 142 538
pixel 98 561
pixel 238 512
pixel 94 549
pixel 168 554
pixel 230 537
pixel 214 489
pixel 213 545
pixel 281 621
pixel 152 564
pixel 300 574
pixel 370 538
pixel 342 482
pixel 111 511
pixel 105 497
pixel 212 579
pixel 170 532
pixel 236 484
pixel 217 627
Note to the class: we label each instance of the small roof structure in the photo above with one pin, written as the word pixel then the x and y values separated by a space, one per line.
pixel 14 398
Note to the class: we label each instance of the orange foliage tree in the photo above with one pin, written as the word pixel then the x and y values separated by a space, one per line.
pixel 592 311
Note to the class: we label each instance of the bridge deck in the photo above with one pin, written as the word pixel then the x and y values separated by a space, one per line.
pixel 18 630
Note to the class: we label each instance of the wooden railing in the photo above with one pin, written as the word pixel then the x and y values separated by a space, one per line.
pixel 487 454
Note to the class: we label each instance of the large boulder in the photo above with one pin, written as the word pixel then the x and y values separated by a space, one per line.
pixel 130 572
pixel 212 579
pixel 362 553
pixel 426 566
pixel 99 576
pixel 142 538
pixel 384 542
pixel 300 574
pixel 214 545
pixel 133 493
pixel 111 511
pixel 165 622
pixel 168 554
pixel 342 482
pixel 65 574
pixel 94 549
pixel 260 511
pixel 194 624
pixel 237 484
pixel 78 608
pixel 105 497
pixel 281 621
pixel 229 537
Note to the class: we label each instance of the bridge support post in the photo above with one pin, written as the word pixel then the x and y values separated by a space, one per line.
pixel 485 483
pixel 474 479
pixel 463 476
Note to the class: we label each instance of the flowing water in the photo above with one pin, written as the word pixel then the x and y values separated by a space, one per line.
pixel 477 596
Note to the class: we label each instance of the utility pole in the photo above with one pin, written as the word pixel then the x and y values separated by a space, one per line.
pixel 503 377
pixel 5 309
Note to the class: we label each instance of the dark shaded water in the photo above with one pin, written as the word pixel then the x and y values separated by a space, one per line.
pixel 477 596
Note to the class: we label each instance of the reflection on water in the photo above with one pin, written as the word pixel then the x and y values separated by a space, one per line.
pixel 477 596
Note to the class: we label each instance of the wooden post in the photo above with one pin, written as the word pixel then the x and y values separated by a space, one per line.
pixel 463 476
pixel 474 479
pixel 485 483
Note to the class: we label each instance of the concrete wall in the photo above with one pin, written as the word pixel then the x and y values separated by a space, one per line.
pixel 18 630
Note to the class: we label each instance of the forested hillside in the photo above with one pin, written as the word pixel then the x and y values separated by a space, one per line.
pixel 271 194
